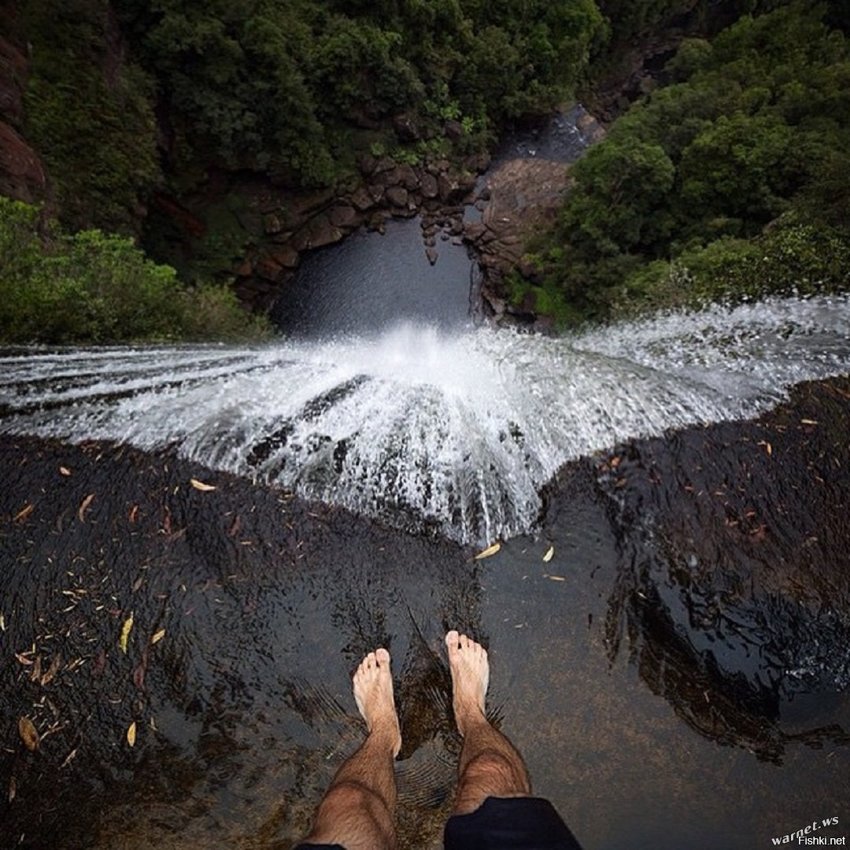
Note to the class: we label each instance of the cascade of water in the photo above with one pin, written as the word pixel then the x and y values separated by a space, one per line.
pixel 454 430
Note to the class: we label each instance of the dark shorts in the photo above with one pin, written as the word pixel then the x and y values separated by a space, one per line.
pixel 510 823
pixel 501 823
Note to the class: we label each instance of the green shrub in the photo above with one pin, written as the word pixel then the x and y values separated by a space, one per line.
pixel 95 287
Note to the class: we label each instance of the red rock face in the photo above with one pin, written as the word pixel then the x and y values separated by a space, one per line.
pixel 13 74
pixel 22 175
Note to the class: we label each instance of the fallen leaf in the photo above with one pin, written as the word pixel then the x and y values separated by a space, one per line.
pixel 2 622
pixel 84 506
pixel 28 733
pixel 63 470
pixel 23 659
pixel 24 512
pixel 139 675
pixel 125 633
pixel 199 485
pixel 134 513
pixel 55 664
pixel 13 788
pixel 490 550
pixel 549 553
pixel 554 578
pixel 158 636
pixel 809 421
pixel 69 758
pixel 131 734
pixel 35 675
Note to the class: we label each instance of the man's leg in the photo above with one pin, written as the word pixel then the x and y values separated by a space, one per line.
pixel 490 765
pixel 358 810
pixel 494 806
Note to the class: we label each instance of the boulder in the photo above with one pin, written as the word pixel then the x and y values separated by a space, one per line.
pixel 474 230
pixel 322 232
pixel 431 254
pixel 404 175
pixel 428 186
pixel 344 216
pixel 397 196
pixel 406 127
pixel 286 256
pixel 361 200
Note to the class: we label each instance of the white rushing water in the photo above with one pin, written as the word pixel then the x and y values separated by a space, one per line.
pixel 458 432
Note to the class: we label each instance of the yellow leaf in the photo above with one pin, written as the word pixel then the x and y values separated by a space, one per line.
pixel 549 553
pixel 158 636
pixel 131 734
pixel 84 506
pixel 28 733
pixel 125 633
pixel 199 485
pixel 490 550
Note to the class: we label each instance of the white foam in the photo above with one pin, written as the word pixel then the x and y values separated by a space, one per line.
pixel 457 431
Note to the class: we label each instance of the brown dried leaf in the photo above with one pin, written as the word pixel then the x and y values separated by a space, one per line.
pixel 23 659
pixel 84 506
pixel 28 733
pixel 158 636
pixel 35 675
pixel 13 788
pixel 50 675
pixel 199 485
pixel 141 669
pixel 490 550
pixel 131 734
pixel 134 514
pixel 24 512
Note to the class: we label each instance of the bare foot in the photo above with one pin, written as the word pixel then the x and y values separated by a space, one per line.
pixel 470 677
pixel 373 693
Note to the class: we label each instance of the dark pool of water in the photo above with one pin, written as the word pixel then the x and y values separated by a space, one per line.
pixel 371 282
pixel 639 721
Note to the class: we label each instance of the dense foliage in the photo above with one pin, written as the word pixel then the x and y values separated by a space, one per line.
pixel 89 114
pixel 716 184
pixel 283 86
pixel 92 287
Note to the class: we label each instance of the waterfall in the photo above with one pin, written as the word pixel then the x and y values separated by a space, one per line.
pixel 456 430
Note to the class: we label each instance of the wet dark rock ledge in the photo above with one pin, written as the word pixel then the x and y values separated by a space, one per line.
pixel 733 587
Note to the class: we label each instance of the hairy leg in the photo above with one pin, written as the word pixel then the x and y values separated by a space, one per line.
pixel 358 810
pixel 490 765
